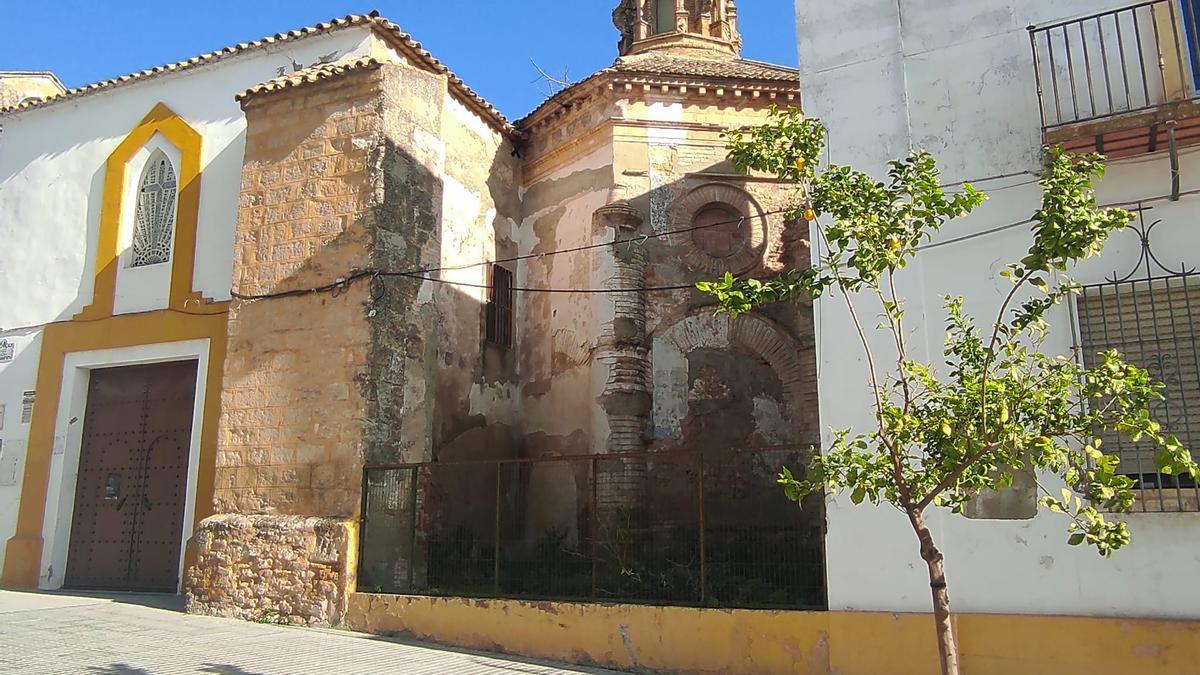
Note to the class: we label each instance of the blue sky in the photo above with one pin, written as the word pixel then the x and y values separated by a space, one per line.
pixel 489 43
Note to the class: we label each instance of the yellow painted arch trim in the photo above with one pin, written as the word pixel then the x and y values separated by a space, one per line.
pixel 188 317
pixel 189 142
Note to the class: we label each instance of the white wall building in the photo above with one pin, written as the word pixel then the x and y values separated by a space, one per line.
pixel 960 80
pixel 57 153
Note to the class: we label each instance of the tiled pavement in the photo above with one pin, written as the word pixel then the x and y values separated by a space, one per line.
pixel 43 634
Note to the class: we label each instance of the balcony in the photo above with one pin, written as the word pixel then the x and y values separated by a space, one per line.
pixel 1123 82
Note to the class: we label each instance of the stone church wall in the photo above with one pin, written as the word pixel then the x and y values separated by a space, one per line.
pixel 294 404
pixel 341 176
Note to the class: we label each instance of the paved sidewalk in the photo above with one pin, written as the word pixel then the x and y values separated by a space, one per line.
pixel 52 634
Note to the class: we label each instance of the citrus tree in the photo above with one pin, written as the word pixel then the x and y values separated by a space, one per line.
pixel 998 404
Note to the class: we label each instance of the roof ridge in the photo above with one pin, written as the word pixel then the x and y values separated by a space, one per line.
pixel 768 64
pixel 336 23
pixel 371 18
pixel 639 66
pixel 482 105
pixel 311 74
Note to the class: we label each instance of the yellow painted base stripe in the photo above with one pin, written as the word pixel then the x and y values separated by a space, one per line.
pixel 686 640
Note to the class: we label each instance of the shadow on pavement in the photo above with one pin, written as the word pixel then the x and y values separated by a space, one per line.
pixel 164 601
pixel 227 670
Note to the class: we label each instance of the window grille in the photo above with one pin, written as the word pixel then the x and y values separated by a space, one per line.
pixel 154 220
pixel 499 330
pixel 1154 324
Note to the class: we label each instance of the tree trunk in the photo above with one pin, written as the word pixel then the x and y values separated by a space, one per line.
pixel 947 643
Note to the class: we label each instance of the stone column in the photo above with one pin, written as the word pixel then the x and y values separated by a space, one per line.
pixel 624 351
pixel 706 16
pixel 642 28
pixel 719 26
pixel 731 20
pixel 682 17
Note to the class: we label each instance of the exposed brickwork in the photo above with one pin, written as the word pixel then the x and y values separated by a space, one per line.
pixel 788 353
pixel 625 352
pixel 278 568
pixel 293 405
pixel 719 203
pixel 289 441
pixel 381 169
pixel 342 175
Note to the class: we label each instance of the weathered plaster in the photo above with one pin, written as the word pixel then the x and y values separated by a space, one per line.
pixel 959 80
pixel 707 642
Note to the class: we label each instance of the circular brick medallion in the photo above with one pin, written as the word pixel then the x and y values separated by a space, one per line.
pixel 724 232
pixel 732 229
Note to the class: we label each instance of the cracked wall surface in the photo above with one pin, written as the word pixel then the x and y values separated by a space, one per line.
pixel 384 184
pixel 346 182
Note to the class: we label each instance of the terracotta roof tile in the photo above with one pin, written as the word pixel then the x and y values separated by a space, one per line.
pixel 401 40
pixel 323 71
pixel 653 66
pixel 405 42
pixel 741 69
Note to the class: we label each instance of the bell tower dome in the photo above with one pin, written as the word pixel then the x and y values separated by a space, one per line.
pixel 693 27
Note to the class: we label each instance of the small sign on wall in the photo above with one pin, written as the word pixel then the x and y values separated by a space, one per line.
pixel 8 349
pixel 27 407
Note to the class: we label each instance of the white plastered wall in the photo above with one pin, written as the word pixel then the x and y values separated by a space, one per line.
pixel 68 438
pixel 958 79
pixel 17 376
pixel 52 172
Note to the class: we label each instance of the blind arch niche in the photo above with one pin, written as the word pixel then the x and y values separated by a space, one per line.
pixel 155 210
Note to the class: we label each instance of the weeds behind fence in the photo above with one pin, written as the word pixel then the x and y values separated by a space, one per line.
pixel 673 528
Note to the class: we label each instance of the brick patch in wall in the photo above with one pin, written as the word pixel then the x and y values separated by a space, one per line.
pixel 277 568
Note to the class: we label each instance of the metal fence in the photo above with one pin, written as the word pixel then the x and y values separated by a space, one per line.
pixel 1127 60
pixel 671 528
pixel 1151 316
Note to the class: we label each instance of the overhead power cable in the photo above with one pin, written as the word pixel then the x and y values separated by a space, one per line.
pixel 341 284
pixel 640 239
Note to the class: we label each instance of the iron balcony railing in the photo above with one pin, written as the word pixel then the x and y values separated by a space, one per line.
pixel 1129 60
pixel 691 528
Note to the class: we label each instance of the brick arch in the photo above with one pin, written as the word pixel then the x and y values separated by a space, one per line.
pixel 752 333
pixel 683 210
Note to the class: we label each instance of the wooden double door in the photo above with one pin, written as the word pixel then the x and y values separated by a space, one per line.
pixel 131 489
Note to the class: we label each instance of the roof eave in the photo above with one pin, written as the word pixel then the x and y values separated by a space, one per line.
pixel 565 97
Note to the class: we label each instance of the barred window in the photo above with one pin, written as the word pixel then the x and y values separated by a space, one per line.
pixel 499 329
pixel 154 219
pixel 1155 324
